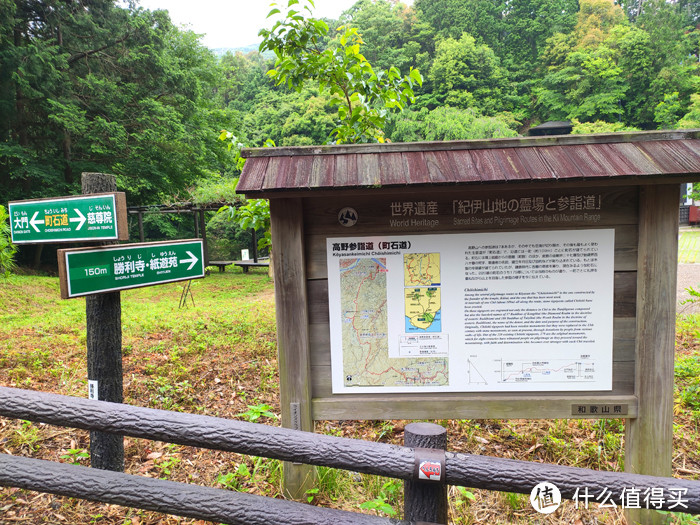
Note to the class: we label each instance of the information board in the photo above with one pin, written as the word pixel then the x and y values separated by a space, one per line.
pixel 99 217
pixel 472 312
pixel 85 271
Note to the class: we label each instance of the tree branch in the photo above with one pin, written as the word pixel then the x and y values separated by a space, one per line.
pixel 85 54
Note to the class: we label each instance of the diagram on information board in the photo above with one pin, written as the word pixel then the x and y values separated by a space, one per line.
pixel 545 370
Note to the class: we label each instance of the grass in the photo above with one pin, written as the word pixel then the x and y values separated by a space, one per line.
pixel 218 357
pixel 689 246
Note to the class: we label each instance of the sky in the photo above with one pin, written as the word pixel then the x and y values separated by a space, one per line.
pixel 232 23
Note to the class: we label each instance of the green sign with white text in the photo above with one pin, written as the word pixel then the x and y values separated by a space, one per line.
pixel 99 217
pixel 85 271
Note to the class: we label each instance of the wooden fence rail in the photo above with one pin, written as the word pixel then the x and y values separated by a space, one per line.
pixel 182 499
pixel 316 449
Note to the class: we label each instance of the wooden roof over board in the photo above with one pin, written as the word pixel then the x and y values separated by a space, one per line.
pixel 656 156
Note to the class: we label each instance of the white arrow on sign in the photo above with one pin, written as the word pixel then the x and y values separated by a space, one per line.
pixel 80 218
pixel 34 222
pixel 192 260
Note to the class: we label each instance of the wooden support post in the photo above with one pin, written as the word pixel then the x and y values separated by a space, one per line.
pixel 649 436
pixel 287 229
pixel 141 235
pixel 426 500
pixel 255 244
pixel 104 349
pixel 38 250
pixel 203 232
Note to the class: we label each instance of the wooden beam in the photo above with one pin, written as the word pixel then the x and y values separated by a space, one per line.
pixel 452 187
pixel 455 406
pixel 452 145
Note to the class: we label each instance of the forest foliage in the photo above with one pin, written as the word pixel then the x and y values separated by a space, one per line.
pixel 106 86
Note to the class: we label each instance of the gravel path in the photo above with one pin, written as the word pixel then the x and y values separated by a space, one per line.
pixel 688 275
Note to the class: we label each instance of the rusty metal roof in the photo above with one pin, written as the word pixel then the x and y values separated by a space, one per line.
pixel 649 156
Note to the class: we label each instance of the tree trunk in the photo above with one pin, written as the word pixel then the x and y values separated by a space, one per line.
pixel 104 350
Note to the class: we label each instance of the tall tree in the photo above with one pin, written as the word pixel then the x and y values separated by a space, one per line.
pixel 516 31
pixel 639 75
pixel 527 24
pixel 595 20
pixel 90 86
pixel 365 99
pixel 451 18
pixel 448 123
pixel 466 74
pixel 386 28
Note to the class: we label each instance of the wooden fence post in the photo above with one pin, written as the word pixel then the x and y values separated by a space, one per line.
pixel 425 497
pixel 104 350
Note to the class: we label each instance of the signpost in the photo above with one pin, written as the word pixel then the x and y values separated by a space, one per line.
pixel 85 271
pixel 97 217
pixel 99 272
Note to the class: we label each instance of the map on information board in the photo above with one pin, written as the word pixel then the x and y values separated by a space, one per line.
pixel 530 311
pixel 366 360
pixel 422 292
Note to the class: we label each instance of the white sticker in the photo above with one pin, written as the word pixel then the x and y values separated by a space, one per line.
pixel 92 389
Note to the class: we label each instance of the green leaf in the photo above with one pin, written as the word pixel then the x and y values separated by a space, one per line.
pixel 271 13
pixel 416 76
pixel 321 26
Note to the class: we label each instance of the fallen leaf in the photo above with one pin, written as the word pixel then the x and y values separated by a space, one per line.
pixel 533 448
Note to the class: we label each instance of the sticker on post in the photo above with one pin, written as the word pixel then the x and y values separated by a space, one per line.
pixel 92 389
pixel 430 470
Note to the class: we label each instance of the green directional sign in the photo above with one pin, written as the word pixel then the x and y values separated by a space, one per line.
pixel 85 271
pixel 99 217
